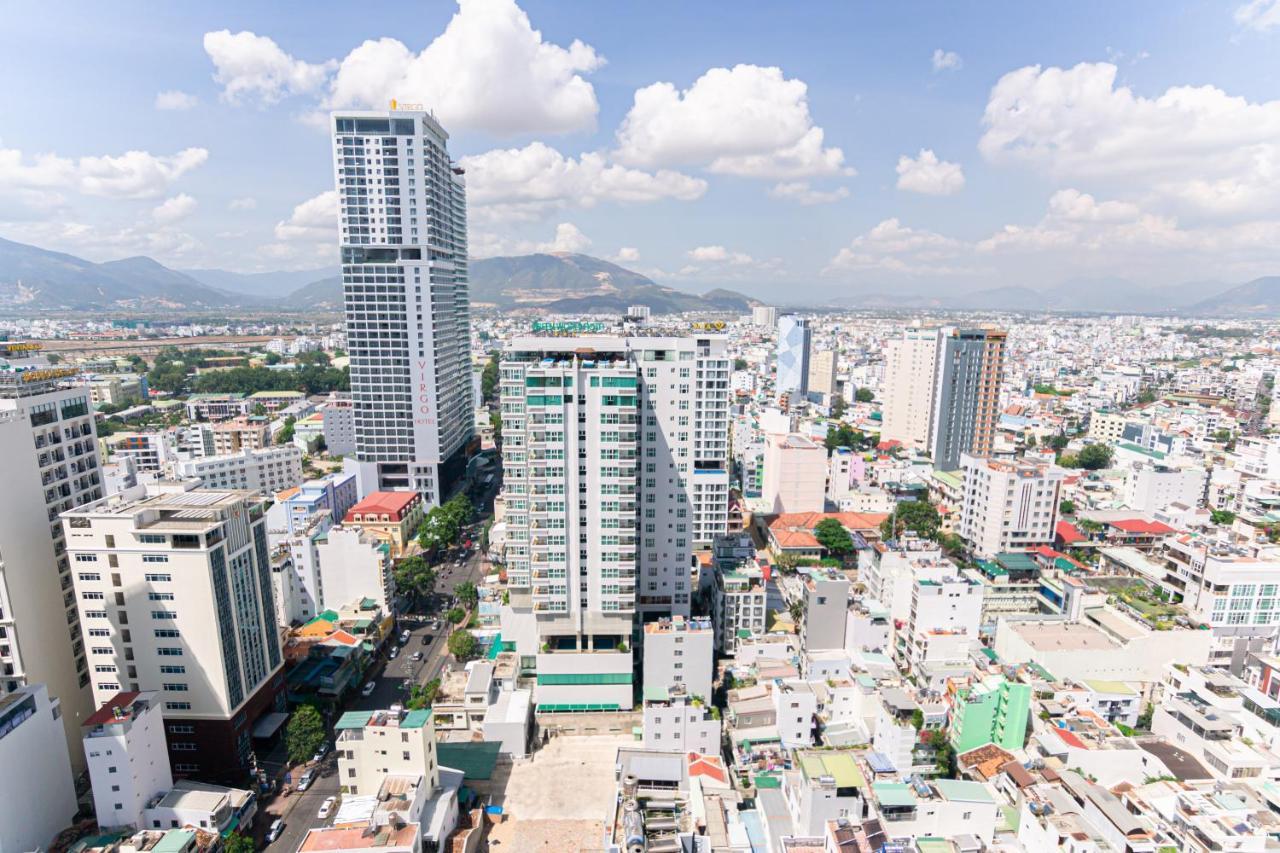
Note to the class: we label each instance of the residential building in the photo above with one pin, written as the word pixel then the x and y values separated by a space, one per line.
pixel 822 373
pixel 148 450
pixel 794 341
pixel 764 316
pixel 338 420
pixel 169 584
pixel 293 509
pixel 824 786
pixel 49 464
pixel 128 758
pixel 941 629
pixel 40 798
pixel 1149 488
pixel 1008 505
pixel 215 809
pixel 795 706
pixel 911 363
pixel 679 652
pixel 795 474
pixel 372 745
pixel 216 407
pixel 403 239
pixel 392 517
pixel 238 435
pixel 994 710
pixel 738 603
pixel 675 721
pixel 826 602
pixel 267 471
pixel 354 564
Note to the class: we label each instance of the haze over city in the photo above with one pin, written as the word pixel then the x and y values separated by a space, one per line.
pixel 620 428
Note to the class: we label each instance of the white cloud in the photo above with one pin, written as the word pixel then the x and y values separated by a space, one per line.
pixel 929 175
pixel 1260 15
pixel 489 70
pixel 627 255
pixel 568 238
pixel 173 99
pixel 747 120
pixel 893 247
pixel 134 174
pixel 245 203
pixel 719 255
pixel 522 183
pixel 946 60
pixel 315 220
pixel 1192 146
pixel 173 209
pixel 1075 206
pixel 107 242
pixel 253 67
pixel 801 193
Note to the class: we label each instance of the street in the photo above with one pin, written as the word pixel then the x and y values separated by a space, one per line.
pixel 391 677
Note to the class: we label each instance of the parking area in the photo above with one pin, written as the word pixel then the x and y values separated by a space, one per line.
pixel 558 800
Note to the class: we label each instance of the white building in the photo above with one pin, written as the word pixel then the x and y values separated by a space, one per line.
pixel 795 474
pixel 175 595
pixel 822 373
pixel 403 239
pixel 40 798
pixel 148 450
pixel 124 745
pixel 680 653
pixel 1008 506
pixel 795 705
pixel 353 565
pixel 673 722
pixel 266 471
pixel 765 316
pixel 1149 488
pixel 48 464
pixel 372 745
pixel 907 404
pixel 338 418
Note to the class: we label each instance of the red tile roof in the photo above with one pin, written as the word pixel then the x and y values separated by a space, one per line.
pixel 1069 533
pixel 795 529
pixel 106 713
pixel 1139 525
pixel 1069 738
pixel 390 503
pixel 707 765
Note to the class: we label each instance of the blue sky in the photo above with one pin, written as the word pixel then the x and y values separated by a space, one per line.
pixel 961 146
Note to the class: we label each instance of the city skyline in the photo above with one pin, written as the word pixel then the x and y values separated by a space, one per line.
pixel 909 162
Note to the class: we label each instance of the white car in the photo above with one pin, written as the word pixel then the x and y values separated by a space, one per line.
pixel 404 637
pixel 326 808
pixel 395 651
pixel 368 689
pixel 305 782
pixel 277 827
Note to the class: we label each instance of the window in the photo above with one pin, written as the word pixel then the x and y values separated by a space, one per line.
pixel 182 729
pixel 169 651
pixel 86 558
pixel 166 633
pixel 163 614
pixel 90 576
pixel 175 686
pixel 92 596
pixel 173 670
pixel 156 578
pixel 160 596
pixel 155 558
pixel 105 667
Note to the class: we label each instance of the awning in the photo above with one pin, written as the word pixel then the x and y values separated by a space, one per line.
pixel 269 724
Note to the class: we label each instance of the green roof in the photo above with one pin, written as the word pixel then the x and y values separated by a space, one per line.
pixel 415 719
pixel 368 603
pixel 765 780
pixel 1103 686
pixel 174 841
pixel 963 791
pixel 1154 454
pixel 656 693
pixel 1016 561
pixel 361 624
pixel 990 653
pixel 838 765
pixel 354 720
pixel 475 760
pixel 326 616
pixel 955 479
pixel 991 570
pixel 933 844
pixel 1040 671
pixel 744 633
pixel 894 794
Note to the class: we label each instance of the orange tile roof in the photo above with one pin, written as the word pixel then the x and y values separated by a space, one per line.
pixel 391 503
pixel 795 529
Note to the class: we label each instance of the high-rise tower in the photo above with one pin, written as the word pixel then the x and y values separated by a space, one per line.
pixel 403 239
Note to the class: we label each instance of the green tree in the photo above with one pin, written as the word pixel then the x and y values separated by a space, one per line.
pixel 952 544
pixel 489 379
pixel 832 536
pixel 796 609
pixel 463 645
pixel 1145 396
pixel 945 752
pixel 286 432
pixel 917 719
pixel 455 615
pixel 304 733
pixel 495 420
pixel 414 577
pixel 864 395
pixel 919 517
pixel 466 593
pixel 1095 457
pixel 1059 442
pixel 1068 507
pixel 740 363
pixel 1222 516
pixel 272 358
pixel 238 843
pixel 838 408
pixel 843 435
pixel 422 695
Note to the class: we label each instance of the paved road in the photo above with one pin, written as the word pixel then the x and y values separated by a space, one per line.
pixel 390 677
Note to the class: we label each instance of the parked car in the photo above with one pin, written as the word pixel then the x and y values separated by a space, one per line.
pixel 326 808
pixel 321 752
pixel 395 652
pixel 368 689
pixel 404 636
pixel 426 639
pixel 416 656
pixel 305 782
pixel 277 827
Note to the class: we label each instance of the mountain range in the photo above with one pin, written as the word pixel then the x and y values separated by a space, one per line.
pixel 35 279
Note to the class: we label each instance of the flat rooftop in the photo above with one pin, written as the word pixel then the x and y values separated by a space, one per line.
pixel 1064 637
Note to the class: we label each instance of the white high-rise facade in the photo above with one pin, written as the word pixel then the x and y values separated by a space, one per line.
pixel 911 361
pixel 403 238
pixel 175 595
pixel 794 339
pixel 1008 506
pixel 48 464
pixel 650 482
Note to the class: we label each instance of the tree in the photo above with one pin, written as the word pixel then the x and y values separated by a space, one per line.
pixel 414 577
pixel 466 593
pixel 304 734
pixel 1095 457
pixel 237 843
pixel 462 644
pixel 1145 396
pixel 952 544
pixel 740 364
pixel 422 695
pixel 272 358
pixel 838 408
pixel 443 524
pixel 832 536
pixel 1222 516
pixel 917 719
pixel 843 436
pixel 1059 442
pixel 489 379
pixel 920 517
pixel 796 609
pixel 1068 507
pixel 945 752
pixel 455 615
pixel 286 432
pixel 864 395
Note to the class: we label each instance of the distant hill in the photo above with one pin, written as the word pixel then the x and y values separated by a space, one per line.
pixel 1260 298
pixel 322 295
pixel 38 279
pixel 580 284
pixel 262 285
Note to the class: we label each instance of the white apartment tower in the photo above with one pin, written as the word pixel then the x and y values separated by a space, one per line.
pixel 794 340
pixel 49 464
pixel 910 364
pixel 175 594
pixel 403 238
pixel 1008 506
